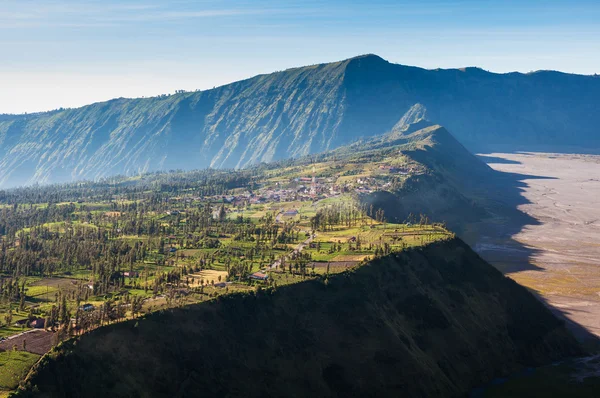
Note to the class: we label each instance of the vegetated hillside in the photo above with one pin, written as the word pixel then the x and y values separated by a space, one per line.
pixel 444 192
pixel 292 113
pixel 434 321
pixel 417 169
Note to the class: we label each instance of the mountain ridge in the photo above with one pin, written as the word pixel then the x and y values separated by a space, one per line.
pixel 293 113
pixel 434 321
pixel 367 55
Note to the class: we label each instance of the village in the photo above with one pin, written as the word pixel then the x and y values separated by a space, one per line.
pixel 308 187
pixel 303 225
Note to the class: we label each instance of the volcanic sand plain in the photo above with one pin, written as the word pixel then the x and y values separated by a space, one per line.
pixel 557 253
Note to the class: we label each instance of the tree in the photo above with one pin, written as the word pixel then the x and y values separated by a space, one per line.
pixel 8 317
pixel 70 331
pixel 64 314
pixel 22 302
pixel 222 213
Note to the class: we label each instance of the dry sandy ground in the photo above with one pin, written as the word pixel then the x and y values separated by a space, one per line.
pixel 566 243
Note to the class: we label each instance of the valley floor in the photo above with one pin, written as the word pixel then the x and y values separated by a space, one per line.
pixel 556 252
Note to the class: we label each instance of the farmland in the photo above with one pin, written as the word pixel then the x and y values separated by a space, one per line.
pixel 75 258
pixel 14 365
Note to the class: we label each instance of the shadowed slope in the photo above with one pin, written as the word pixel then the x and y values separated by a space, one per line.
pixel 445 191
pixel 434 321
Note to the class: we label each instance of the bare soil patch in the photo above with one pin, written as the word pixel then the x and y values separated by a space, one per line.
pixel 334 264
pixel 209 275
pixel 350 257
pixel 37 341
pixel 64 283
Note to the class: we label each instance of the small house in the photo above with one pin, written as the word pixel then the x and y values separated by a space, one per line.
pixel 38 323
pixel 259 276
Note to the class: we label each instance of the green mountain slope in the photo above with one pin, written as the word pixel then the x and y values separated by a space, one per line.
pixel 434 321
pixel 419 168
pixel 293 113
pixel 444 178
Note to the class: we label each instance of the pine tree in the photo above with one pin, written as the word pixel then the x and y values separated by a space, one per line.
pixel 222 213
pixel 63 311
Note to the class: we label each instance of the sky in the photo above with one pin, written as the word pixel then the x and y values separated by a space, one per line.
pixel 63 53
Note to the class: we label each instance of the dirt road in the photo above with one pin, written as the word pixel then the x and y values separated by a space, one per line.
pixel 297 249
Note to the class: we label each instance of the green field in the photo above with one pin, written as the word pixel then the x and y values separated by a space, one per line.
pixel 181 239
pixel 7 331
pixel 14 365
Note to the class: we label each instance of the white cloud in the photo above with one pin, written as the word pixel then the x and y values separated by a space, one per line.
pixel 94 14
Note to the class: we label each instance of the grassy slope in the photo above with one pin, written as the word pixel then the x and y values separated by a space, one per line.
pixel 14 366
pixel 432 321
pixel 443 191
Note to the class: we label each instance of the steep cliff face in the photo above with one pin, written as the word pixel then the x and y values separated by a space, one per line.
pixel 433 321
pixel 280 115
pixel 292 113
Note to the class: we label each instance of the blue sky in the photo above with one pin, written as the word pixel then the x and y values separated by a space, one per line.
pixel 64 53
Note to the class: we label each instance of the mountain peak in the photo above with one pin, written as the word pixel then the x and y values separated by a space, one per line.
pixel 369 56
pixel 294 113
pixel 415 114
pixel 366 59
